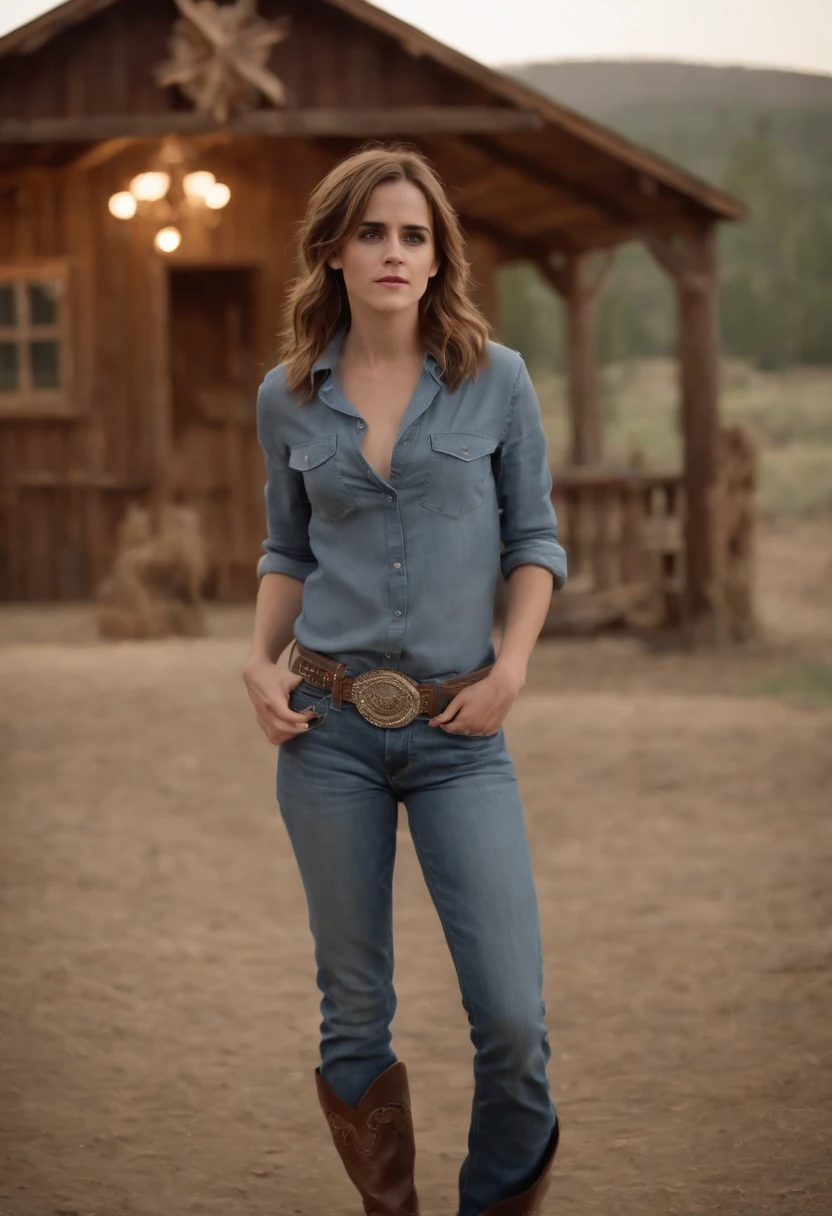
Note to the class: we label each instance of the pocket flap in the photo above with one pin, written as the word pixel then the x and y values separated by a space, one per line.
pixel 313 452
pixel 463 445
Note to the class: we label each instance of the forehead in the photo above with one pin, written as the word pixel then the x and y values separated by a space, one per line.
pixel 397 202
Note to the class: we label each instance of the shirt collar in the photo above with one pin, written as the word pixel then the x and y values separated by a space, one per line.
pixel 434 369
pixel 328 361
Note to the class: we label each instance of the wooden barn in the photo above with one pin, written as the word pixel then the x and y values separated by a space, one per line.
pixel 155 156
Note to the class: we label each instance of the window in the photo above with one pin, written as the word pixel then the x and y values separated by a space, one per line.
pixel 34 351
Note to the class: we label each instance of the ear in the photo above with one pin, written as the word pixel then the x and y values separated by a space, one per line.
pixel 334 261
pixel 432 273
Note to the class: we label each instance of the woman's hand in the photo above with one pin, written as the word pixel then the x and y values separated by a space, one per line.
pixel 269 686
pixel 480 709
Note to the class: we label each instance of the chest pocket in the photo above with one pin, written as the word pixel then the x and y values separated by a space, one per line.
pixel 459 472
pixel 325 489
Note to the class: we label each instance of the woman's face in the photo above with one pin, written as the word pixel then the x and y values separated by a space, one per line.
pixel 390 258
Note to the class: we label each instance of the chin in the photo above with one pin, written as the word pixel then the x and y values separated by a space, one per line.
pixel 385 303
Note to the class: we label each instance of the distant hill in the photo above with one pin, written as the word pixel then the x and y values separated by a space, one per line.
pixel 695 113
pixel 599 89
pixel 764 135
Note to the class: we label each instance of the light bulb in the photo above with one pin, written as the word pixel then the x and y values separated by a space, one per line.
pixel 196 185
pixel 217 196
pixel 150 187
pixel 167 239
pixel 122 205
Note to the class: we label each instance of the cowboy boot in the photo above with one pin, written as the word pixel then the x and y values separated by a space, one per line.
pixel 531 1201
pixel 375 1142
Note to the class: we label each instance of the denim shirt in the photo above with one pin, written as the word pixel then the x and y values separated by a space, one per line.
pixel 402 573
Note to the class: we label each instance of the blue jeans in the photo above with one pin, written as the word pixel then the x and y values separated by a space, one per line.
pixel 339 785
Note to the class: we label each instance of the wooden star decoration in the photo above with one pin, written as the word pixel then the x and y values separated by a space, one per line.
pixel 219 54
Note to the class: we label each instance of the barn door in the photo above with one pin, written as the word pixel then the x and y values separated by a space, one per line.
pixel 213 373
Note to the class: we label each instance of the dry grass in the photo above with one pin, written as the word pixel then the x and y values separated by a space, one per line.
pixel 790 412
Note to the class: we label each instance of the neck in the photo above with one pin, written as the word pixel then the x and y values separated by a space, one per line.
pixel 376 338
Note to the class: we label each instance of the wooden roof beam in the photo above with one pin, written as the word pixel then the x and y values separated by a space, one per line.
pixel 382 122
pixel 604 204
pixel 496 84
pixel 515 248
pixel 100 153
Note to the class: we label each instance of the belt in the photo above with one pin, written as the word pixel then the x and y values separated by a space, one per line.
pixel 383 696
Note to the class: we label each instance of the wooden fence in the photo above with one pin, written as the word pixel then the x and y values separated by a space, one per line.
pixel 623 530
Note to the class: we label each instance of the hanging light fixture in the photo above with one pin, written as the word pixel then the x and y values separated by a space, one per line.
pixel 150 187
pixel 171 197
pixel 218 196
pixel 197 184
pixel 122 205
pixel 167 239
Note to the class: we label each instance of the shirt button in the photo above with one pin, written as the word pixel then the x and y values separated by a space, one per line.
pixel 397 565
pixel 389 497
pixel 398 612
pixel 405 442
pixel 361 426
pixel 388 656
pixel 306 460
pixel 464 448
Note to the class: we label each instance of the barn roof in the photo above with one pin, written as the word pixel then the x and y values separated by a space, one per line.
pixel 560 176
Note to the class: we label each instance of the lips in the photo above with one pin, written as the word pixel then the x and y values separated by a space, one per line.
pixel 392 278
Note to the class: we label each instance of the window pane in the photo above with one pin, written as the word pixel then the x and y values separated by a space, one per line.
pixel 43 302
pixel 8 304
pixel 9 367
pixel 45 364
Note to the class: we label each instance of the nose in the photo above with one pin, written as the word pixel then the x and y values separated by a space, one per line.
pixel 394 252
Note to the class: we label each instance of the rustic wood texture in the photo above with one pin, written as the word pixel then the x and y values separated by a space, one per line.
pixel 219 57
pixel 733 505
pixel 359 47
pixel 529 179
pixel 318 121
pixel 389 80
pixel 484 259
pixel 67 480
pixel 581 287
pixel 691 261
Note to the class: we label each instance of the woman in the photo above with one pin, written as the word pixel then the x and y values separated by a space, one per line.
pixel 402 450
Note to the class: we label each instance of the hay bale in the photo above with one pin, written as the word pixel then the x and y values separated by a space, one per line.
pixel 155 585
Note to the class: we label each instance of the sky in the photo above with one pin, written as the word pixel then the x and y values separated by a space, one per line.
pixel 793 34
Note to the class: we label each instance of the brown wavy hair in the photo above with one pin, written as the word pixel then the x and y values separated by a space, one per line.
pixel 453 329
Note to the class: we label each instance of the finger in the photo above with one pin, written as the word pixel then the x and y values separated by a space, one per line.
pixel 284 734
pixel 457 726
pixel 448 713
pixel 292 717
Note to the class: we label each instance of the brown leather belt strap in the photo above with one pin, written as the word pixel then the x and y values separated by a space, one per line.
pixel 331 677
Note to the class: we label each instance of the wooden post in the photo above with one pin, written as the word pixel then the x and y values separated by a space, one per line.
pixel 159 406
pixel 693 267
pixel 484 259
pixel 587 437
pixel 581 293
pixel 81 237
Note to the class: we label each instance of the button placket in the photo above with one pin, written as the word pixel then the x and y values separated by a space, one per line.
pixel 396 621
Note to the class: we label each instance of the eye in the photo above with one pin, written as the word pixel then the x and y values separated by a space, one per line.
pixel 368 232
pixel 417 237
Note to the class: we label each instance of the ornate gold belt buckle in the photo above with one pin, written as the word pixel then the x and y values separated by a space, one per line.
pixel 386 698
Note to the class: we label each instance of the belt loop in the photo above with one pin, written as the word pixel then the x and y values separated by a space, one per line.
pixel 337 681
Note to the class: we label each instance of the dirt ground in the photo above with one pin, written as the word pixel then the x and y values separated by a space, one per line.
pixel 158 1015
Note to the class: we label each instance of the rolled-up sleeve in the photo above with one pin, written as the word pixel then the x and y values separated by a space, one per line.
pixel 528 526
pixel 287 549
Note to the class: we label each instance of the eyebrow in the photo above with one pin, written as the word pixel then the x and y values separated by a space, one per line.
pixel 406 227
